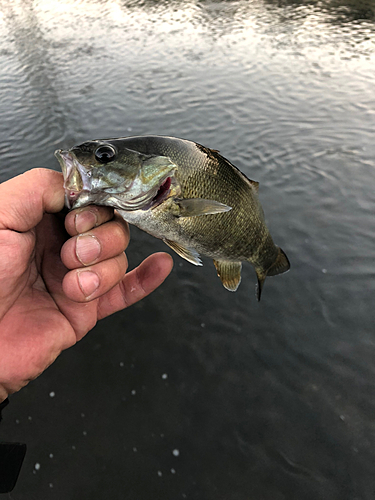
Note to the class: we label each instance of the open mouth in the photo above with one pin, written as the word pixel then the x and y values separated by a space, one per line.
pixel 71 197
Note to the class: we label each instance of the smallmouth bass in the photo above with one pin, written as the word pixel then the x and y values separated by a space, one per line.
pixel 189 196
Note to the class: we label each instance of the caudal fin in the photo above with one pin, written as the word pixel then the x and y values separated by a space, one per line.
pixel 281 265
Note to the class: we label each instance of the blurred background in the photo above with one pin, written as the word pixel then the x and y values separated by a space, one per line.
pixel 196 392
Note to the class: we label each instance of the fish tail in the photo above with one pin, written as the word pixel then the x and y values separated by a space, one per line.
pixel 261 279
pixel 280 265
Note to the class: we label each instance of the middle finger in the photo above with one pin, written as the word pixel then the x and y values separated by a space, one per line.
pixel 101 243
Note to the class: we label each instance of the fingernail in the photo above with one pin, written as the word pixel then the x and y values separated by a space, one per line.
pixel 88 282
pixel 85 220
pixel 88 249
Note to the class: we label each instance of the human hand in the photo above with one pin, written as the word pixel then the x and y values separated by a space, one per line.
pixel 53 289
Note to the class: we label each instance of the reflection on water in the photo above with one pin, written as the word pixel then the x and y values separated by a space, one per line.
pixel 269 401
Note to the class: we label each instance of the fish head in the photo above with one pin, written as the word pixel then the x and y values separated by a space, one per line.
pixel 104 172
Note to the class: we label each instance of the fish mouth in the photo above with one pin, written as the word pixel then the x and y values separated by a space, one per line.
pixel 77 179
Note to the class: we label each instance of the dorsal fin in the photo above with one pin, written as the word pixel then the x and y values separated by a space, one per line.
pixel 214 155
pixel 255 185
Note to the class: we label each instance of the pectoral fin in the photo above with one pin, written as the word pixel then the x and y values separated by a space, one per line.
pixel 229 273
pixel 199 206
pixel 188 254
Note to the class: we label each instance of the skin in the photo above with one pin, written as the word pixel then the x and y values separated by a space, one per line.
pixel 59 277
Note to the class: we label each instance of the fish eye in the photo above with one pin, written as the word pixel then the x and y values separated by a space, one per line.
pixel 105 153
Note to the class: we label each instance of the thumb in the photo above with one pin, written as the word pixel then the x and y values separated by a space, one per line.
pixel 25 198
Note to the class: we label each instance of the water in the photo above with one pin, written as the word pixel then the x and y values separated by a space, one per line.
pixel 262 401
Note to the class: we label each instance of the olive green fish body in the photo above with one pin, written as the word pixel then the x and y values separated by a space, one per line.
pixel 209 207
pixel 236 235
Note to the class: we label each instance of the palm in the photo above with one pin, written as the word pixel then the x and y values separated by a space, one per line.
pixel 78 317
pixel 41 318
pixel 43 308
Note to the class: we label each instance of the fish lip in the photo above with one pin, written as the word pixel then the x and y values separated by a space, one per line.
pixel 71 197
pixel 70 166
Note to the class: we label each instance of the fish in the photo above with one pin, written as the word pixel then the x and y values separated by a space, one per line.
pixel 181 192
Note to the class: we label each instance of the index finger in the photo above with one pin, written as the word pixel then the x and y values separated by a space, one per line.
pixel 83 219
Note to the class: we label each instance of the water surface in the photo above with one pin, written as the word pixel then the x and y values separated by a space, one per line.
pixel 195 392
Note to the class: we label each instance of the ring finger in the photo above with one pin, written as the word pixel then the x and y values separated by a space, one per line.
pixel 86 284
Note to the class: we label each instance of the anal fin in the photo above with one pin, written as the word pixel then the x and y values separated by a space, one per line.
pixel 188 254
pixel 229 273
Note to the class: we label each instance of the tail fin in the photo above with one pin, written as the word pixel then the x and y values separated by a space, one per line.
pixel 261 280
pixel 281 265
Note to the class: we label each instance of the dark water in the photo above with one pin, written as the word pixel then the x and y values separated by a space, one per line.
pixel 195 392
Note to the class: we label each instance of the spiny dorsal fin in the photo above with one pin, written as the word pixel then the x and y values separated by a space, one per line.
pixel 188 254
pixel 215 155
pixel 199 206
pixel 229 273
